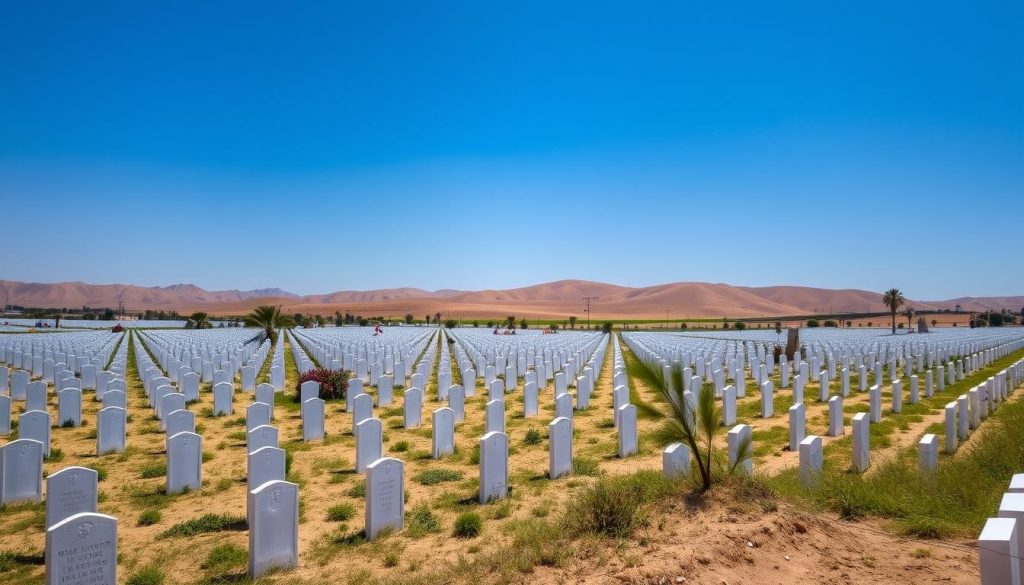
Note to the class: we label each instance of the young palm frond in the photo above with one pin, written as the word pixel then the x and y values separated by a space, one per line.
pixel 268 318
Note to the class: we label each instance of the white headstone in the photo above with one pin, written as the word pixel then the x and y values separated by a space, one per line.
pixel 21 472
pixel 559 447
pixel 184 463
pixel 273 512
pixel 493 467
pixel 385 496
pixel 369 442
pixel 70 491
pixel 82 549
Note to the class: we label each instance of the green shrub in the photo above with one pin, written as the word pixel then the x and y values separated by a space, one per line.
pixel 149 517
pixel 205 523
pixel 400 447
pixel 422 522
pixel 225 557
pixel 468 525
pixel 585 466
pixel 615 506
pixel 436 476
pixel 532 437
pixel 341 512
pixel 146 576
pixel 155 469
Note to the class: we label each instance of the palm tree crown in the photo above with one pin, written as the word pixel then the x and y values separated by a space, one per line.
pixel 198 320
pixel 894 299
pixel 270 319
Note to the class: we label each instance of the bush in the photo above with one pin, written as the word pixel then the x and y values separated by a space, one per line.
pixel 468 525
pixel 333 383
pixel 149 517
pixel 146 576
pixel 607 327
pixel 155 469
pixel 614 506
pixel 436 476
pixel 739 326
pixel 830 323
pixel 421 522
pixel 450 324
pixel 340 513
pixel 532 437
pixel 225 557
pixel 813 323
pixel 204 524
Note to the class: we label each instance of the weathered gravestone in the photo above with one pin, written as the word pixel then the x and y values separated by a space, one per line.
pixel 82 550
pixel 313 420
pixel 385 496
pixel 35 425
pixel 184 463
pixel 273 512
pixel 493 467
pixel 369 442
pixel 443 435
pixel 559 447
pixel 70 491
pixel 21 472
pixel 263 465
pixel 675 461
pixel 111 424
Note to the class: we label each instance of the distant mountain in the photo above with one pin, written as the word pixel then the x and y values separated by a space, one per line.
pixel 558 299
pixel 79 294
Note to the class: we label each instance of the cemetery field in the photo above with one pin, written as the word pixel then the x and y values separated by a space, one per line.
pixel 576 487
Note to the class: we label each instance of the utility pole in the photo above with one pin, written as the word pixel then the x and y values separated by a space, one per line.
pixel 588 299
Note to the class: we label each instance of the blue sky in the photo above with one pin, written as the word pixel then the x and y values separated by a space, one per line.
pixel 322 147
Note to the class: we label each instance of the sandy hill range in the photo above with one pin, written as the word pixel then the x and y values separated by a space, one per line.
pixel 549 300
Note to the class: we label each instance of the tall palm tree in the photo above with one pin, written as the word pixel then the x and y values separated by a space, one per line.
pixel 894 299
pixel 198 320
pixel 686 422
pixel 270 319
pixel 910 317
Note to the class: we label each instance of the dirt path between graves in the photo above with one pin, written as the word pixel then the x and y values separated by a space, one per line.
pixel 732 541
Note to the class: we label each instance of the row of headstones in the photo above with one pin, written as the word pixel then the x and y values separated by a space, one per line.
pixel 706 364
pixel 1001 542
pixel 371 361
pixel 231 349
pixel 39 353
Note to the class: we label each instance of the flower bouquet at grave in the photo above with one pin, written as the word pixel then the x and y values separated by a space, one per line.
pixel 333 383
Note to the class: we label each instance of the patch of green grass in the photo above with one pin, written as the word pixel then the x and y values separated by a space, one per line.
pixel 615 506
pixel 357 491
pixel 55 455
pixel 12 561
pixel 204 524
pixel 437 475
pixel 341 512
pixel 532 437
pixel 468 525
pixel 400 446
pixel 226 557
pixel 955 501
pixel 153 469
pixel 421 522
pixel 149 517
pixel 101 472
pixel 151 575
pixel 585 466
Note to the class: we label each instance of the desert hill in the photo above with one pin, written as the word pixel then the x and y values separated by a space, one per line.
pixel 548 300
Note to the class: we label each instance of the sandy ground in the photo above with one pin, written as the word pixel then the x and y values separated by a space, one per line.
pixel 703 545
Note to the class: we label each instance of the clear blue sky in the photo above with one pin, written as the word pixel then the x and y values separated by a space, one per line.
pixel 321 147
